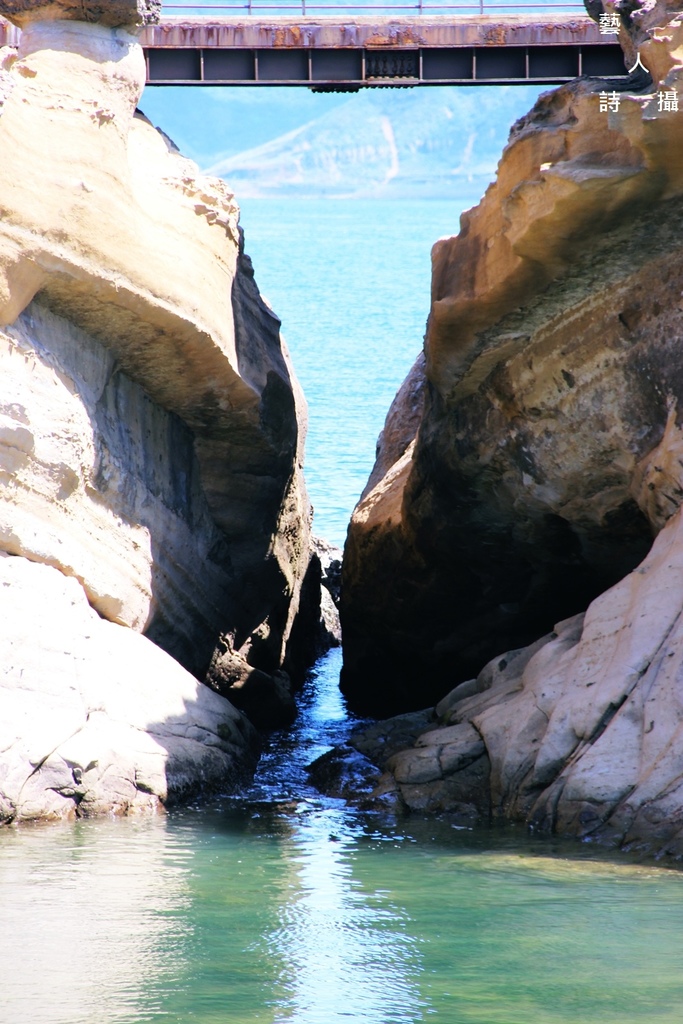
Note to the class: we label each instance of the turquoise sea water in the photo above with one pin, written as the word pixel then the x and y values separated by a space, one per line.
pixel 351 283
pixel 287 908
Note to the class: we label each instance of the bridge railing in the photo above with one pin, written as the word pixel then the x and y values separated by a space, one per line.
pixel 419 7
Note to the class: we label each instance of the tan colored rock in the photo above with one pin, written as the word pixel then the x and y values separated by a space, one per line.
pixel 582 734
pixel 152 429
pixel 649 27
pixel 545 459
pixel 95 718
pixel 112 13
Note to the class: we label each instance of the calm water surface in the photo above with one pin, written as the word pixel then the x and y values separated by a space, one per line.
pixel 287 907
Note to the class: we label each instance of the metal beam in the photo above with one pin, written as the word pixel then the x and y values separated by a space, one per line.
pixel 329 70
pixel 354 52
pixel 350 53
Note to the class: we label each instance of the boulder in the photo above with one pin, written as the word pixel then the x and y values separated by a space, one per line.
pixel 343 773
pixel 159 424
pixel 94 718
pixel 546 456
pixel 265 698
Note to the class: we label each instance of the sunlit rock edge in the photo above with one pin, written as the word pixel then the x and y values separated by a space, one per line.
pixel 546 458
pixel 151 442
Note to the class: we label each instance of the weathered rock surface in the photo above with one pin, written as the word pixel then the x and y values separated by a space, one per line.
pixel 330 558
pixel 151 427
pixel 317 628
pixel 581 733
pixel 141 257
pixel 112 13
pixel 94 718
pixel 547 453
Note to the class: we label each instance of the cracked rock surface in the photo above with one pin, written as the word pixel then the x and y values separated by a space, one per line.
pixel 151 436
pixel 112 13
pixel 580 733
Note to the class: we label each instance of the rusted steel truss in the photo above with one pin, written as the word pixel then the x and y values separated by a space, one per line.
pixel 333 53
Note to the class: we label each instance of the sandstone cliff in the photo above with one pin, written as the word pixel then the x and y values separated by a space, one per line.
pixel 544 456
pixel 151 428
pixel 537 476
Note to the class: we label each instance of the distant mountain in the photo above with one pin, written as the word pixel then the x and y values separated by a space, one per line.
pixel 212 122
pixel 425 142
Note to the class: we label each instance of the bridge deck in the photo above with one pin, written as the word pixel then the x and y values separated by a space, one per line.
pixel 332 52
pixel 328 52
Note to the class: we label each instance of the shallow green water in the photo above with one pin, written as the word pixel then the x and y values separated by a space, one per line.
pixel 284 906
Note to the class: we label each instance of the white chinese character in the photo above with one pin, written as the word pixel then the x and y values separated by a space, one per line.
pixel 638 64
pixel 609 24
pixel 609 101
pixel 668 100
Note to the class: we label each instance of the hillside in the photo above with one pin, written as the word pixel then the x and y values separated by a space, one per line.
pixel 431 142
pixel 384 143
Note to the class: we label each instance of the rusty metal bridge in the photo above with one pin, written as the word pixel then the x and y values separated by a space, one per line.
pixel 333 47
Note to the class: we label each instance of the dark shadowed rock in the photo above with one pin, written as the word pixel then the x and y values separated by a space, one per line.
pixel 346 774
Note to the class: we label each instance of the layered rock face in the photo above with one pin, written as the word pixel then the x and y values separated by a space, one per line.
pixel 113 13
pixel 151 428
pixel 545 456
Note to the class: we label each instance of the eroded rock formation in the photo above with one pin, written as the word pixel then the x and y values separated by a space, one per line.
pixel 95 718
pixel 112 13
pixel 546 457
pixel 151 428
pixel 580 732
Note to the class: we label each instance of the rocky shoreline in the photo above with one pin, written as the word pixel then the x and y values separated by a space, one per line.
pixel 579 734
pixel 531 457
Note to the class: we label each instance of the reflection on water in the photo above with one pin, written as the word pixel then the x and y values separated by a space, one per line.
pixel 286 907
pixel 349 951
pixel 90 915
